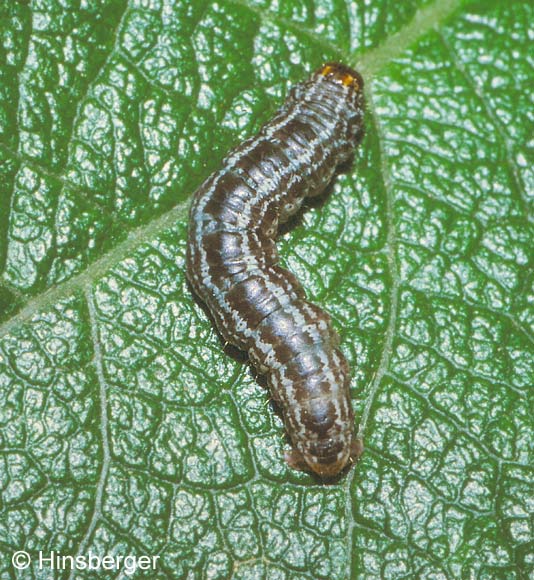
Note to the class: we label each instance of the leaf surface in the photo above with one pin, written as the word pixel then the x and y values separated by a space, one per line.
pixel 124 425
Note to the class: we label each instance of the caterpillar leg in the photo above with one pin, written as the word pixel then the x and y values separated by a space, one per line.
pixel 357 448
pixel 295 460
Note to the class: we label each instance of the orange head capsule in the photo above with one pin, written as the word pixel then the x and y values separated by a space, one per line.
pixel 343 74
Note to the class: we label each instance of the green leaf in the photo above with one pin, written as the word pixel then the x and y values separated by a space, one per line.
pixel 125 427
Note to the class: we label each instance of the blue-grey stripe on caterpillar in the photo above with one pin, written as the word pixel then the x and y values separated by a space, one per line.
pixel 232 262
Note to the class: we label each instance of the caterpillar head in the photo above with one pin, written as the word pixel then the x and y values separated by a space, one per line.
pixel 339 73
pixel 341 79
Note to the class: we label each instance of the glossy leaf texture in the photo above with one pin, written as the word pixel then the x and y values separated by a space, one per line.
pixel 125 427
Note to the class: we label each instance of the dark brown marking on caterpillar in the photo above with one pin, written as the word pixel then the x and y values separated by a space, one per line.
pixel 232 262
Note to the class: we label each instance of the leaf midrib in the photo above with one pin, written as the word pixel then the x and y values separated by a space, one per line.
pixel 368 63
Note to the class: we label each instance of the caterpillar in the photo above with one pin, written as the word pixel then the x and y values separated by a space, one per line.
pixel 232 263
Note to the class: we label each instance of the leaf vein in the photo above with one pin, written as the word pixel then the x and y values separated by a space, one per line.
pixel 387 345
pixel 293 26
pixel 104 427
pixel 497 123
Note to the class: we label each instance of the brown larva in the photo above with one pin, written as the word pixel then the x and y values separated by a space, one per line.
pixel 232 262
